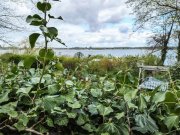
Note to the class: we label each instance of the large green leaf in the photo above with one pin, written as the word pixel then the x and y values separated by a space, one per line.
pixel 53 89
pixel 70 96
pixel 35 20
pixel 88 127
pixel 109 86
pixel 50 54
pixel 43 6
pixel 4 97
pixel 42 53
pixel 145 124
pixel 96 92
pixel 92 109
pixel 50 122
pixel 24 90
pixel 172 121
pixel 69 83
pixel 159 97
pixel 44 29
pixel 22 122
pixel 104 110
pixel 28 61
pixel 120 115
pixel 49 103
pixel 82 119
pixel 75 105
pixel 52 33
pixel 170 97
pixel 33 38
pixel 9 109
pixel 142 103
pixel 110 128
pixel 47 54
pixel 61 121
pixel 71 115
pixel 130 95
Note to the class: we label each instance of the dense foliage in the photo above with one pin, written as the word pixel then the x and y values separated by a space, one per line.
pixel 70 102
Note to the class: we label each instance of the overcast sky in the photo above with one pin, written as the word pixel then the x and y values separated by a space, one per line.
pixel 95 23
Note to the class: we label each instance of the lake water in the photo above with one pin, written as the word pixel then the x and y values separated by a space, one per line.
pixel 171 58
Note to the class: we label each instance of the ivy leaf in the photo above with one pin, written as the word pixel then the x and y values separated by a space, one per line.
pixel 50 122
pixel 19 126
pixel 75 105
pixel 22 122
pixel 88 127
pixel 61 121
pixel 130 95
pixel 71 115
pixel 110 128
pixel 171 121
pixel 104 110
pixel 93 109
pixel 70 96
pixel 69 83
pixel 109 86
pixel 119 115
pixel 145 124
pixel 33 38
pixel 49 103
pixel 96 92
pixel 9 109
pixel 4 97
pixel 24 90
pixel 82 119
pixel 45 6
pixel 53 89
pixel 159 97
pixel 142 103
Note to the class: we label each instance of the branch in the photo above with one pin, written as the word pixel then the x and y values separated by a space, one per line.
pixel 33 131
pixel 167 5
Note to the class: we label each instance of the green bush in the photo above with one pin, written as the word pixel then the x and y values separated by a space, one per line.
pixel 65 104
pixel 70 62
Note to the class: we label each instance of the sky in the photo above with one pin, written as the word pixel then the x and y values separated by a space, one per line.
pixel 87 23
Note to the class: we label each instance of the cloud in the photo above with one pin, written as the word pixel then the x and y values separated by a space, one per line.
pixel 95 23
pixel 94 13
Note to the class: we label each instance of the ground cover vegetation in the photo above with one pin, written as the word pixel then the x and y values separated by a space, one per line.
pixel 52 95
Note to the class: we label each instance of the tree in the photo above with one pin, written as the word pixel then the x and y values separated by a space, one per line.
pixel 7 22
pixel 157 14
pixel 178 48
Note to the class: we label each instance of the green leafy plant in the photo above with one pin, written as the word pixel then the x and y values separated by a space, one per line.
pixel 49 33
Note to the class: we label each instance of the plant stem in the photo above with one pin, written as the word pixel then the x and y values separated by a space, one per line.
pixel 46 44
pixel 128 120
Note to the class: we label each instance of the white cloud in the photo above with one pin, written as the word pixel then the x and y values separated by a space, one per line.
pixel 92 23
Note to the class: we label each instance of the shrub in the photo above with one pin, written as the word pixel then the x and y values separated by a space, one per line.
pixel 68 105
pixel 70 62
